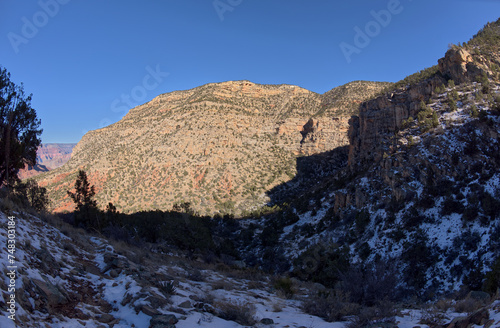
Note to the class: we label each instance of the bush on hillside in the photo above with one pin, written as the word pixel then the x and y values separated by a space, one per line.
pixel 26 195
pixel 492 279
pixel 322 263
pixel 331 305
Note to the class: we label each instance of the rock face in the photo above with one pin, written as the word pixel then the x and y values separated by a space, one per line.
pixel 382 117
pixel 459 65
pixel 220 146
pixel 31 171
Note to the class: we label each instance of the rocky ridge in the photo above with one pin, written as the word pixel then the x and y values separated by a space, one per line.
pixel 220 146
pixel 421 189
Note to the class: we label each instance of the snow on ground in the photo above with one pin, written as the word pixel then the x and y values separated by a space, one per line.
pixel 36 237
pixel 124 300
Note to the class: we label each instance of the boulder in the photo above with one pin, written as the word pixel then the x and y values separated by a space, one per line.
pixel 267 321
pixel 479 296
pixel 105 318
pixel 50 292
pixel 163 321
pixel 480 317
pixel 147 310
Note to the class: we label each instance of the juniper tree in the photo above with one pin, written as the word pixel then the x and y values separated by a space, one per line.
pixel 19 129
pixel 86 205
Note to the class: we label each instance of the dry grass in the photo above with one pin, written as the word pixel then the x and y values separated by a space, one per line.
pixel 255 285
pixel 331 305
pixel 432 317
pixel 444 305
pixel 240 312
pixel 277 306
pixel 223 284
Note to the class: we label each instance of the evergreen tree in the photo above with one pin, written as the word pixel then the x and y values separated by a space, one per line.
pixel 19 129
pixel 86 206
pixel 37 196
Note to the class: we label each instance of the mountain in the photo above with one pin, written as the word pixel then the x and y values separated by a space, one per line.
pixel 49 157
pixel 220 146
pixel 419 198
pixel 31 171
pixel 54 155
pixel 399 227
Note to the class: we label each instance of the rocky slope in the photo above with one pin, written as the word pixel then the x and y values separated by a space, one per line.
pixel 69 278
pixel 31 171
pixel 220 146
pixel 421 189
pixel 73 279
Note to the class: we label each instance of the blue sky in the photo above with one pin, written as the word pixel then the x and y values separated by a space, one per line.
pixel 87 62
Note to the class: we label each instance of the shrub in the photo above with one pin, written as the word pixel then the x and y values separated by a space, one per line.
pixel 166 287
pixel 371 284
pixel 451 205
pixel 490 205
pixel 468 241
pixel 440 89
pixel 383 315
pixel 412 218
pixel 364 251
pixel 322 263
pixel 284 286
pixel 29 194
pixel 426 201
pixel 485 83
pixel 407 123
pixel 474 112
pixel 362 220
pixel 427 117
pixel 331 305
pixel 237 311
pixel 432 317
pixel 196 275
pixel 419 258
pixel 492 278
pixel 452 104
pixel 411 141
pixel 468 305
pixel 470 213
pixel 37 196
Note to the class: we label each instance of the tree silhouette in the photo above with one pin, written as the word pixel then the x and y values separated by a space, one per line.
pixel 83 197
pixel 19 129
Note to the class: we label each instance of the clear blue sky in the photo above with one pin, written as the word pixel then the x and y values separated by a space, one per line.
pixel 87 62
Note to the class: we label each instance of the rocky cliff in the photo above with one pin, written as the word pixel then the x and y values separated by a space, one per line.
pixel 220 146
pixel 384 115
pixel 421 189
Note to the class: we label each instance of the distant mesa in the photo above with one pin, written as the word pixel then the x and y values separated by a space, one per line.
pixel 49 157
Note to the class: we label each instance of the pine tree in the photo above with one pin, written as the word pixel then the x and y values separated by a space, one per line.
pixel 86 205
pixel 19 130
